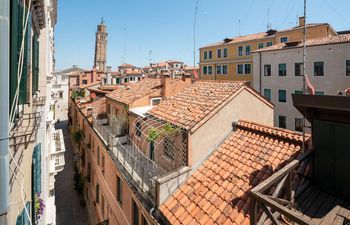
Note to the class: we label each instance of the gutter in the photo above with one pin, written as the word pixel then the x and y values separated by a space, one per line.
pixel 4 102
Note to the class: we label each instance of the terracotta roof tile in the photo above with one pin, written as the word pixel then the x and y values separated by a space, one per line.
pixel 130 92
pixel 218 191
pixel 194 103
pixel 310 42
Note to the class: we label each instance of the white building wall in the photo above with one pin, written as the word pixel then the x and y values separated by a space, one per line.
pixel 334 79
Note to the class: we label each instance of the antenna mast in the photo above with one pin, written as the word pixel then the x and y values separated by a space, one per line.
pixel 194 34
pixel 268 19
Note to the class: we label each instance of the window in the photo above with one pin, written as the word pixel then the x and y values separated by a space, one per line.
pixel 205 54
pixel 205 70
pixel 156 101
pixel 247 50
pixel 224 69
pixel 84 81
pixel 298 92
pixel 267 94
pixel 318 68
pixel 240 69
pixel 210 54
pixel 57 161
pixel 282 95
pixel 225 52
pixel 219 53
pixel 218 69
pixel 284 39
pixel 125 80
pixel 319 92
pixel 119 190
pixel 248 68
pixel 169 148
pixel 269 43
pixel 138 129
pixel 60 94
pixel 298 124
pixel 347 67
pixel 267 70
pixel 135 213
pixel 97 193
pixel 282 69
pixel 260 45
pixel 298 68
pixel 240 50
pixel 98 155
pixel 282 122
pixel 210 70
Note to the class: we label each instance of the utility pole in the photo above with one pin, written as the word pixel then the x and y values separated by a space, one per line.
pixel 4 116
pixel 304 72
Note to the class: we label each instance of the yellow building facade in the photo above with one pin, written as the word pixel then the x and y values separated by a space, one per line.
pixel 231 59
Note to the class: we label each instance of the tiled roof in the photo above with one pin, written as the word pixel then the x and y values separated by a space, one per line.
pixel 257 36
pixel 132 91
pixel 217 193
pixel 194 103
pixel 311 42
pixel 98 107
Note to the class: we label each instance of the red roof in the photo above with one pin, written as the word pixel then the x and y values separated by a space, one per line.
pixel 217 193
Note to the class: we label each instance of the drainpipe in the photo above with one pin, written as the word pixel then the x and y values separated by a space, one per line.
pixel 260 72
pixel 4 102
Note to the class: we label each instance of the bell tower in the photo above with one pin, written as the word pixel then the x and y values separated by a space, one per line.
pixel 101 47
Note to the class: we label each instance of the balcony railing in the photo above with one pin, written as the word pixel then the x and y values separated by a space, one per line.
pixel 280 205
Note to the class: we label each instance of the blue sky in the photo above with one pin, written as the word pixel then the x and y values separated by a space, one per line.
pixel 166 26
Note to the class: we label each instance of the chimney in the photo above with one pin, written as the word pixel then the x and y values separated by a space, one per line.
pixel 301 21
pixel 164 81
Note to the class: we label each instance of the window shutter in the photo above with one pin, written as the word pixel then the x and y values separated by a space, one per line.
pixel 37 169
pixel 14 47
pixel 35 67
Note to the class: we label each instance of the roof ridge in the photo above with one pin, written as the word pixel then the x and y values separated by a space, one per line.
pixel 275 132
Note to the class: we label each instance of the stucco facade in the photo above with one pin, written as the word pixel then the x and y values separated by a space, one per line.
pixel 334 79
pixel 232 58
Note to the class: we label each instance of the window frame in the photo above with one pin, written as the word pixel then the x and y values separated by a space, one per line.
pixel 248 50
pixel 269 43
pixel 284 38
pixel 268 90
pixel 279 121
pixel 266 70
pixel 285 96
pixel 205 54
pixel 347 67
pixel 210 54
pixel 218 70
pixel 248 65
pixel 279 70
pixel 297 120
pixel 156 99
pixel 240 50
pixel 315 65
pixel 135 213
pixel 261 45
pixel 225 53
pixel 219 53
pixel 238 71
pixel 300 69
pixel 205 70
pixel 210 71
pixel 224 71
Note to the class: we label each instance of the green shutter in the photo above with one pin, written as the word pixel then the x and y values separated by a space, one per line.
pixel 14 47
pixel 16 29
pixel 22 218
pixel 35 67
pixel 36 160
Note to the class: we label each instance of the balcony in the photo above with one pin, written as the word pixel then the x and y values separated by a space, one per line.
pixel 145 171
pixel 296 199
pixel 58 150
